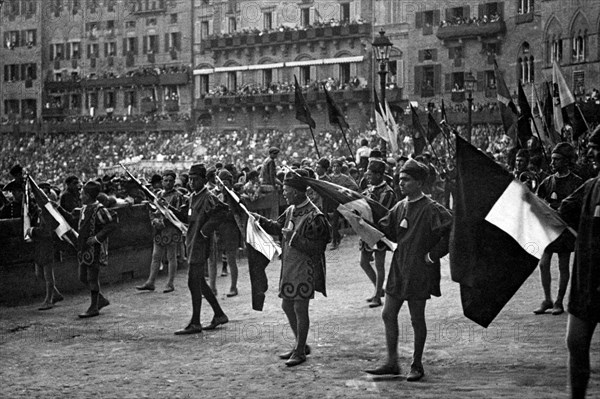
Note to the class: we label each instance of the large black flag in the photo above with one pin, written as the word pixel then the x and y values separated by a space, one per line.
pixel 302 111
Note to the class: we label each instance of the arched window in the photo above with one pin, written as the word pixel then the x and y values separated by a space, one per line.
pixel 578 46
pixel 525 64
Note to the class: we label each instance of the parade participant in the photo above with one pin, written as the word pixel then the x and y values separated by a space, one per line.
pixel 227 241
pixel 167 237
pixel 305 234
pixel 381 192
pixel 421 227
pixel 269 183
pixel 321 170
pixel 14 208
pixel 156 183
pixel 581 210
pixel 45 255
pixel 337 177
pixel 203 211
pixel 362 154
pixel 553 190
pixel 71 197
pixel 47 188
pixel 96 223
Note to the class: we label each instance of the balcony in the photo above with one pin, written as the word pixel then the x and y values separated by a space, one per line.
pixel 171 105
pixel 173 79
pixel 240 40
pixel 471 31
pixel 66 86
pixel 458 96
pixel 53 112
pixel 313 97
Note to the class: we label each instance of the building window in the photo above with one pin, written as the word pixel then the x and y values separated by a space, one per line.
pixel 204 32
pixel 130 25
pixel 268 20
pixel 305 16
pixel 110 100
pixel 231 24
pixel 171 93
pixel 110 49
pixel 524 6
pixel 173 18
pixel 525 64
pixel 267 75
pixel 428 55
pixel 490 80
pixel 204 84
pixel 578 47
pixel 31 38
pixel 130 45
pixel 150 21
pixel 345 12
pixel 557 47
pixel 427 89
pixel 458 81
pixel 305 75
pixel 232 81
pixel 130 98
pixel 91 100
pixel 110 27
pixel 152 44
pixel 76 50
pixel 345 73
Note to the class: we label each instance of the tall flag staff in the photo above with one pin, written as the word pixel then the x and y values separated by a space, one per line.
pixel 303 113
pixel 526 117
pixel 337 117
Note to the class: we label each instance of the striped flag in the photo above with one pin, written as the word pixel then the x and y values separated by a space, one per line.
pixel 261 247
pixel 361 212
pixel 393 128
pixel 26 216
pixel 60 226
pixel 500 231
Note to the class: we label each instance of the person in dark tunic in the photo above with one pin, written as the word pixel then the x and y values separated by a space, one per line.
pixel 204 212
pixel 553 189
pixel 421 227
pixel 379 191
pixel 581 210
pixel 305 232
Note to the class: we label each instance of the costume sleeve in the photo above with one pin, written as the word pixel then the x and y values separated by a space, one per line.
pixel 273 227
pixel 109 221
pixel 181 213
pixel 441 224
pixel 387 224
pixel 388 198
pixel 570 208
pixel 313 236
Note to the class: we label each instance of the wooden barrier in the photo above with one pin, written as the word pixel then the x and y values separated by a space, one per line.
pixel 130 252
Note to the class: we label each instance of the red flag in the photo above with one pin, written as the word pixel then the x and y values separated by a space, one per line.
pixel 302 111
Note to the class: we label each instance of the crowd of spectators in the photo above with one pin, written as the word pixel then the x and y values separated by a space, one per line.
pixel 455 21
pixel 251 89
pixel 319 23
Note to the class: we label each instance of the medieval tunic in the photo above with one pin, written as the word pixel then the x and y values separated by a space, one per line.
pixel 385 195
pixel 421 227
pixel 168 234
pixel 581 210
pixel 94 221
pixel 305 236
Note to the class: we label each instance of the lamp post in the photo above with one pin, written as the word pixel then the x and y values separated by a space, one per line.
pixel 1 96
pixel 469 87
pixel 382 46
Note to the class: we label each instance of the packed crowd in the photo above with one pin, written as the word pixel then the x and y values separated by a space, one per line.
pixel 455 21
pixel 251 89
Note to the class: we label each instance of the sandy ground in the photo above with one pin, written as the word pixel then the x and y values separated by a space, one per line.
pixel 130 350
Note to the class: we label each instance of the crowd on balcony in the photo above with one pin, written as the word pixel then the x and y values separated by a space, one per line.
pixel 491 106
pixel 319 23
pixel 455 21
pixel 140 71
pixel 252 89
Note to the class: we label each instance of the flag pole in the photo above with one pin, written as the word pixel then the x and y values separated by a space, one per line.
pixel 542 117
pixel 314 140
pixel 346 140
pixel 541 142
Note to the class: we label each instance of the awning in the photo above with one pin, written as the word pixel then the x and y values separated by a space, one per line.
pixel 204 71
pixel 304 63
pixel 343 60
pixel 266 66
pixel 234 68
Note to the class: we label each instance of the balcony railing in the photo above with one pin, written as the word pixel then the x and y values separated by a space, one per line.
pixel 466 31
pixel 312 97
pixel 313 33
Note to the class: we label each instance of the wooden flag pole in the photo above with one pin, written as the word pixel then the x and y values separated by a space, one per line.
pixel 346 140
pixel 314 140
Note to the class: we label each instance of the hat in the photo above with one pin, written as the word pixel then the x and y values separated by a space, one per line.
pixel 45 184
pixel 16 170
pixel 225 175
pixel 92 188
pixel 273 151
pixel 415 169
pixel 324 163
pixel 198 170
pixel 13 185
pixel 296 179
pixel 155 179
pixel 376 166
pixel 595 137
pixel 170 172
pixel 375 153
pixel 391 161
pixel 564 149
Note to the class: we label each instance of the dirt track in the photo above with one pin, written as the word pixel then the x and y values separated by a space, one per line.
pixel 130 350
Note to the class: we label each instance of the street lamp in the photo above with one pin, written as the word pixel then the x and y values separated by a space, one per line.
pixel 382 46
pixel 469 87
